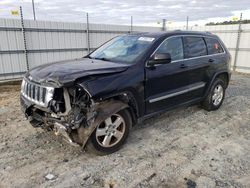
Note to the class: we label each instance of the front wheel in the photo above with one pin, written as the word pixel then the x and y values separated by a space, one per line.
pixel 110 135
pixel 216 96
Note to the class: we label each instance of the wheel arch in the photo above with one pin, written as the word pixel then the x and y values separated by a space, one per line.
pixel 128 98
pixel 224 75
pixel 104 110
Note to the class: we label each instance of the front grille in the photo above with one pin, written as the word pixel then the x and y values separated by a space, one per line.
pixel 40 95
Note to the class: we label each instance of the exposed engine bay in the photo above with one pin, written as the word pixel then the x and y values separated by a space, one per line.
pixel 70 112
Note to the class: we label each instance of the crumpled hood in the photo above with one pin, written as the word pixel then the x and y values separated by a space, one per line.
pixel 66 72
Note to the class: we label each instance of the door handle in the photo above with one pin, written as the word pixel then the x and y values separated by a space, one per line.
pixel 211 60
pixel 183 66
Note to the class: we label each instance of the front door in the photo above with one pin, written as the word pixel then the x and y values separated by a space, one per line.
pixel 167 84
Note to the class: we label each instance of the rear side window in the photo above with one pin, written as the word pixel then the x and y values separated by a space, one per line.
pixel 173 46
pixel 213 46
pixel 194 47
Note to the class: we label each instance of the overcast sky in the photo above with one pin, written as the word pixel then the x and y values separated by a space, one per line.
pixel 144 12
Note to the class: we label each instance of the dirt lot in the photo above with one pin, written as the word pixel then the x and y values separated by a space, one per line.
pixel 188 147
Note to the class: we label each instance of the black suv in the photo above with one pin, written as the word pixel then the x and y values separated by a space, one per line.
pixel 95 100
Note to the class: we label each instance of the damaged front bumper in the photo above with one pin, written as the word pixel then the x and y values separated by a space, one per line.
pixel 77 136
pixel 44 118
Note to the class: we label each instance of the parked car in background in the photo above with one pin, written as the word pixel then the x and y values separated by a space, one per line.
pixel 95 100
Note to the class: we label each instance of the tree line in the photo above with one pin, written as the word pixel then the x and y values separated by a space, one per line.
pixel 229 22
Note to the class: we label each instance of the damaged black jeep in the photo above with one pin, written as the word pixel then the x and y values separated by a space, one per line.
pixel 94 101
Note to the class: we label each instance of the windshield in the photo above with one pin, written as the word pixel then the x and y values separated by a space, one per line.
pixel 123 49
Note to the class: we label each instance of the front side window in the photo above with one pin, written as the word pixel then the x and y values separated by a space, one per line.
pixel 194 47
pixel 173 46
pixel 124 49
pixel 213 46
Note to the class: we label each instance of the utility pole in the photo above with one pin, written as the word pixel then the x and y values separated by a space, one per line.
pixel 187 24
pixel 34 12
pixel 164 25
pixel 131 24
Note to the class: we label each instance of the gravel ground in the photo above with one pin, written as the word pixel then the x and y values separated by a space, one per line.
pixel 187 147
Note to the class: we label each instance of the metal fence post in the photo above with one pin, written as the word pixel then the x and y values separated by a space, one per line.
pixel 87 33
pixel 24 39
pixel 237 44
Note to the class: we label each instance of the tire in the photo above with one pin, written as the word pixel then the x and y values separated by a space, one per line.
pixel 108 137
pixel 210 103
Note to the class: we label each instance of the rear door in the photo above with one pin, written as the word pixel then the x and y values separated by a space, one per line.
pixel 195 54
pixel 166 85
pixel 216 53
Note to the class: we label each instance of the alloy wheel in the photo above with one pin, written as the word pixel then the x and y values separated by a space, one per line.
pixel 111 131
pixel 217 95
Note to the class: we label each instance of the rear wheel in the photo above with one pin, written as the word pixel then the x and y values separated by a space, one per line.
pixel 110 134
pixel 216 96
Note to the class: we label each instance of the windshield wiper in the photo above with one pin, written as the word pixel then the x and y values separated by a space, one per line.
pixel 103 58
pixel 88 56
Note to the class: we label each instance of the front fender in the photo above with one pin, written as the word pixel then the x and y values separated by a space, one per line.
pixel 104 110
pixel 106 87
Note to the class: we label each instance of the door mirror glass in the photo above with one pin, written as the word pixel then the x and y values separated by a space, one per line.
pixel 159 58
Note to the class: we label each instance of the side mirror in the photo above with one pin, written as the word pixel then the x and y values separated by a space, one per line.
pixel 160 58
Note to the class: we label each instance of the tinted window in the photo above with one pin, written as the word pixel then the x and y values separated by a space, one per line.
pixel 213 46
pixel 194 47
pixel 173 46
